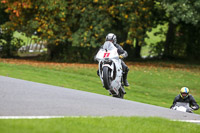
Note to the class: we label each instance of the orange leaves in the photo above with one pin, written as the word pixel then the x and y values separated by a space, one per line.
pixel 15 7
pixel 126 16
pixel 39 29
pixel 36 18
pixel 69 33
pixel 26 5
pixel 50 32
pixel 100 7
pixel 47 17
pixel 3 1
pixel 85 39
pixel 96 35
pixel 129 42
pixel 16 12
pixel 83 9
pixel 62 19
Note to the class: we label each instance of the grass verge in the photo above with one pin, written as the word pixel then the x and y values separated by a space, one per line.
pixel 96 125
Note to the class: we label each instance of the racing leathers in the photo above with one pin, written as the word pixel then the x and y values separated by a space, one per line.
pixel 190 99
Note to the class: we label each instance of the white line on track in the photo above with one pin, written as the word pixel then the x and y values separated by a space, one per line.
pixel 46 117
pixel 29 117
pixel 49 117
pixel 192 121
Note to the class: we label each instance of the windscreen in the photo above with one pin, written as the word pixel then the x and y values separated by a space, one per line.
pixel 182 104
pixel 108 45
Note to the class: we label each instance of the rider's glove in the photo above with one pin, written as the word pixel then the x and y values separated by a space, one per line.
pixel 189 110
pixel 121 56
pixel 194 107
pixel 174 108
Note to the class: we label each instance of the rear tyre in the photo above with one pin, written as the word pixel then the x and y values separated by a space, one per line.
pixel 120 95
pixel 106 78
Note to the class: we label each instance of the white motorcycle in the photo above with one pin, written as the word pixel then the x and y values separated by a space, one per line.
pixel 183 107
pixel 110 69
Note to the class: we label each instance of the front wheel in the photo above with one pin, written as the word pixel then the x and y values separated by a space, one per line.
pixel 106 78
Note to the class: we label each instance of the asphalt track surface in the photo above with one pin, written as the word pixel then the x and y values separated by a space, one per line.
pixel 25 98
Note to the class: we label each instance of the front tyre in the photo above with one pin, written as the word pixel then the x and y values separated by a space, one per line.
pixel 106 78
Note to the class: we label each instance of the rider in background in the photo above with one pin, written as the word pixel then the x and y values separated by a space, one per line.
pixel 122 54
pixel 186 98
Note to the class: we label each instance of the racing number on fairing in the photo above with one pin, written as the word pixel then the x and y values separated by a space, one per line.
pixel 106 55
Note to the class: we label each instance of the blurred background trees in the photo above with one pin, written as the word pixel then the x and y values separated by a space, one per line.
pixel 74 30
pixel 183 18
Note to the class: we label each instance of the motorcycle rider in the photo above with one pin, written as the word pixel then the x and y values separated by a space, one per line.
pixel 186 98
pixel 122 54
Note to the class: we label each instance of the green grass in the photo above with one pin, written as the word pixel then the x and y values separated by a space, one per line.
pixel 152 85
pixel 97 125
pixel 159 86
pixel 153 39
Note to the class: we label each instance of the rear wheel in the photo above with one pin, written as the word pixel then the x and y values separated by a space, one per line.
pixel 106 78
pixel 120 95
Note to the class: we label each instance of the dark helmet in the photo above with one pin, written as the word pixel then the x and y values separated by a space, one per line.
pixel 111 37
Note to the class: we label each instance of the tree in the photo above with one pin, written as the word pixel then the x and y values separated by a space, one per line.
pixel 4 17
pixel 5 35
pixel 47 17
pixel 82 24
pixel 183 17
pixel 136 18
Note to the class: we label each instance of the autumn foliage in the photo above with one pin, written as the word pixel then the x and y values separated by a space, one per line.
pixel 83 23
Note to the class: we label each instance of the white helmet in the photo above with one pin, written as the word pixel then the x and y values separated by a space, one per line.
pixel 111 37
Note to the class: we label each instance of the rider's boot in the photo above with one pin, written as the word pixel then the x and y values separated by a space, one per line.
pixel 98 72
pixel 125 79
